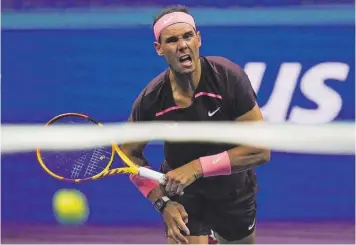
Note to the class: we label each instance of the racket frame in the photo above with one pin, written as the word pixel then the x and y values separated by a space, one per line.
pixel 131 169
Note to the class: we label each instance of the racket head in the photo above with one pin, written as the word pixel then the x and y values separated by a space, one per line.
pixel 77 165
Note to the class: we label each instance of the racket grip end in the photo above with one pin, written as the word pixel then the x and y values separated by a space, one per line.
pixel 151 174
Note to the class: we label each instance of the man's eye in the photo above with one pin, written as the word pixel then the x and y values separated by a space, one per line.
pixel 171 40
pixel 187 36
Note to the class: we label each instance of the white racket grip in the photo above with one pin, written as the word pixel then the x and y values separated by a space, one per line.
pixel 151 174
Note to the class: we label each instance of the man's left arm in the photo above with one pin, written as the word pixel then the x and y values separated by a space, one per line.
pixel 242 106
pixel 234 160
pixel 246 157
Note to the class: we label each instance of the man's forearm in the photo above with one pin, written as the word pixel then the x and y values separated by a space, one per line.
pixel 242 163
pixel 243 158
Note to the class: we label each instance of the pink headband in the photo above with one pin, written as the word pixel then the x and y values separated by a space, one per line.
pixel 170 19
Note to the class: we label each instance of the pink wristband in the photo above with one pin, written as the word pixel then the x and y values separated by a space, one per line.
pixel 145 186
pixel 215 165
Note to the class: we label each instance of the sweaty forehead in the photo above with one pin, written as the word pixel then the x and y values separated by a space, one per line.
pixel 177 29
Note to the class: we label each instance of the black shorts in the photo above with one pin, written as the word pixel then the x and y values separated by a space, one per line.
pixel 231 215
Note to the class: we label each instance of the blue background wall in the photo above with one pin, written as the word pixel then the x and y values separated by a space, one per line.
pixel 100 71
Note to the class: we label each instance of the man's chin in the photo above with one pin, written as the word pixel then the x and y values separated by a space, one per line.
pixel 181 71
pixel 186 71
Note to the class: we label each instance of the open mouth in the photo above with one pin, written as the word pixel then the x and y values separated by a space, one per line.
pixel 185 59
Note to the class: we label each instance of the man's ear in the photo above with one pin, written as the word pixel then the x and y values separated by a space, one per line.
pixel 158 48
pixel 199 38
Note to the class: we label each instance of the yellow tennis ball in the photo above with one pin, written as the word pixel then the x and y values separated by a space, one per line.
pixel 70 206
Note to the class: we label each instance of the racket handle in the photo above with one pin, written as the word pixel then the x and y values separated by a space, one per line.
pixel 151 174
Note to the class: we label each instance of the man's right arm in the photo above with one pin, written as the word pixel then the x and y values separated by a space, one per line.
pixel 174 214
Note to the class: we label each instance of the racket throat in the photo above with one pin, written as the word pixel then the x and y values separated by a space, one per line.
pixel 153 175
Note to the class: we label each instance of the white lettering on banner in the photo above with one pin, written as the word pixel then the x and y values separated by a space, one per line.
pixel 329 102
pixel 255 72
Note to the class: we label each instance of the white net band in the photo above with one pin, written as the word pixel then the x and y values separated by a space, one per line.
pixel 333 138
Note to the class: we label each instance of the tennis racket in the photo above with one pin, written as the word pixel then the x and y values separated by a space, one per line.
pixel 89 164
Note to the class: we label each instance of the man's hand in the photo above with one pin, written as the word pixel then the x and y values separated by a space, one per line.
pixel 182 177
pixel 176 218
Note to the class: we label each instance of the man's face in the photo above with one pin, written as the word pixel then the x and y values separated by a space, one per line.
pixel 180 46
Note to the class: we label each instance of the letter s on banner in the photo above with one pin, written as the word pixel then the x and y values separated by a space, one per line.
pixel 313 87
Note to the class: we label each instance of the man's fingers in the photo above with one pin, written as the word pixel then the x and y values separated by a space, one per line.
pixel 178 235
pixel 174 186
pixel 171 184
pixel 180 190
pixel 182 226
pixel 183 214
pixel 170 194
pixel 172 236
pixel 176 219
pixel 168 185
pixel 177 181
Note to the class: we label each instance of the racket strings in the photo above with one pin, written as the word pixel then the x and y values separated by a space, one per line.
pixel 77 164
pixel 94 163
pixel 95 166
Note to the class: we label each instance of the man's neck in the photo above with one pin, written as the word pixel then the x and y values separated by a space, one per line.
pixel 186 83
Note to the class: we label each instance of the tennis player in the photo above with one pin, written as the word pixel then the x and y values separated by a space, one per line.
pixel 217 180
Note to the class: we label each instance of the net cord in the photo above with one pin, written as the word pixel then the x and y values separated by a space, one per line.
pixel 331 138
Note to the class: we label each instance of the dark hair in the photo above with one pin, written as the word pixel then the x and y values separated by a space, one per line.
pixel 168 10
